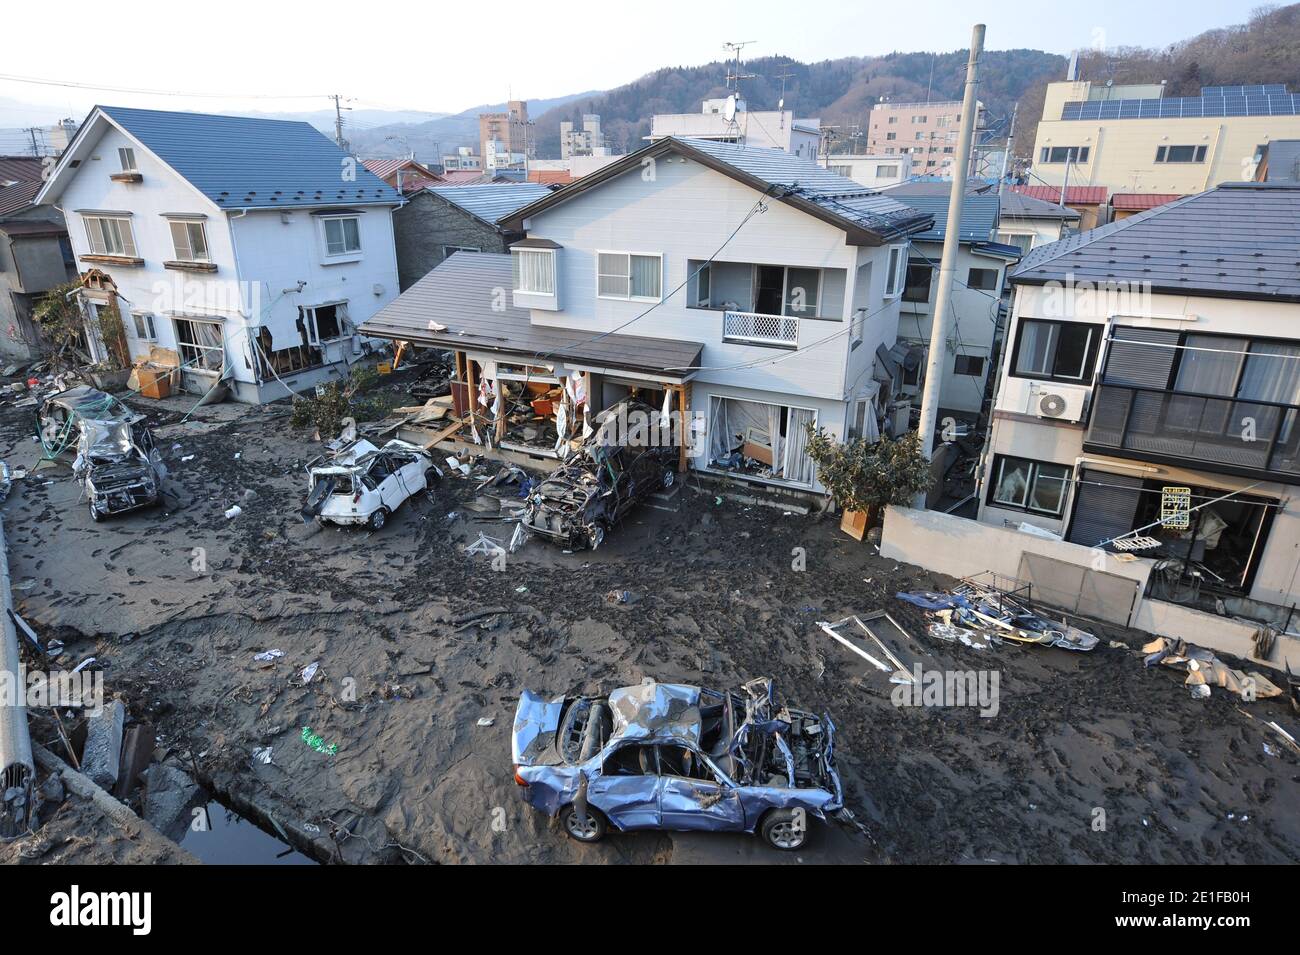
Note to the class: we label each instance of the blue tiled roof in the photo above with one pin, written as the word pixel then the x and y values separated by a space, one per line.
pixel 979 215
pixel 242 163
pixel 491 201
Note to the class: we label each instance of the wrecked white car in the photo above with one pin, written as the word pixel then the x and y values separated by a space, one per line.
pixel 671 756
pixel 363 484
pixel 116 460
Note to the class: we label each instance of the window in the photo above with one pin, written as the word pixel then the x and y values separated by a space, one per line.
pixel 893 120
pixel 126 156
pixel 1180 154
pixel 983 280
pixel 144 327
pixel 802 290
pixel 342 235
pixel 324 323
pixel 190 240
pixel 1075 154
pixel 1037 486
pixel 920 135
pixel 110 236
pixel 919 119
pixel 972 365
pixel 1057 351
pixel 200 344
pixel 1023 242
pixel 449 250
pixel 703 286
pixel 845 171
pixel 883 171
pixel 894 274
pixel 891 136
pixel 534 271
pixel 917 286
pixel 624 275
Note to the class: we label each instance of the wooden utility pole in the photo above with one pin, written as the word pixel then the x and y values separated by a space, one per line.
pixel 943 307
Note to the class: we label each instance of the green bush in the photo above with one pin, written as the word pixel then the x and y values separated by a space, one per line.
pixel 865 476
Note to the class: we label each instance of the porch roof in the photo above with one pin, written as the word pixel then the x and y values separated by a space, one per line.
pixel 458 296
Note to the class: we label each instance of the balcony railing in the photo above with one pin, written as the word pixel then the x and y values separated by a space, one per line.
pixel 1233 436
pixel 760 329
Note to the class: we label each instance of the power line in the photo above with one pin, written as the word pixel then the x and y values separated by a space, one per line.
pixel 150 92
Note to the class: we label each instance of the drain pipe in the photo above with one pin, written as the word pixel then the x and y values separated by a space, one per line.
pixel 16 767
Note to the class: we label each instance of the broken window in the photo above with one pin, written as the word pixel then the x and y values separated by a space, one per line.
pixel 324 323
pixel 1025 485
pixel 916 288
pixel 200 344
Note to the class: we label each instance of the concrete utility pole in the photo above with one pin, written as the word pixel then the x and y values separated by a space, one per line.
pixel 941 319
pixel 338 120
pixel 1006 156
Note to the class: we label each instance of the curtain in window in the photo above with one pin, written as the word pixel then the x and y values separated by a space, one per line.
pixel 1037 340
pixel 720 436
pixel 774 416
pixel 645 276
pixel 533 272
pixel 611 274
pixel 799 468
pixel 1212 371
pixel 1272 373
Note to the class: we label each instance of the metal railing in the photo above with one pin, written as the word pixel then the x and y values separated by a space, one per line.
pixel 757 327
pixel 1258 438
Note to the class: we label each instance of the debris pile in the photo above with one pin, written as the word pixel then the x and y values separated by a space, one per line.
pixel 980 615
pixel 1205 670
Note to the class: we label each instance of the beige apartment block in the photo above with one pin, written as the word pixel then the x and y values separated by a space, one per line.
pixel 925 131
pixel 1134 139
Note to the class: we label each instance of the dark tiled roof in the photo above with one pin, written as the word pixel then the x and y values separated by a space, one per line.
pixel 1239 240
pixel 459 294
pixel 979 211
pixel 13 198
pixel 21 169
pixel 242 163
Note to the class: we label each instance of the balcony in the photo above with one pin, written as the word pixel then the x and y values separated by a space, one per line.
pixel 1256 439
pixel 755 328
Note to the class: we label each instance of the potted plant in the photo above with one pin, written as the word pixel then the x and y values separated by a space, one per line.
pixel 863 477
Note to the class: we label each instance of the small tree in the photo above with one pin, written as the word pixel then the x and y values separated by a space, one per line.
pixel 334 401
pixel 866 476
pixel 61 322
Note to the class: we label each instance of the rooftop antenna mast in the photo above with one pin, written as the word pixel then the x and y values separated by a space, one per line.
pixel 733 72
pixel 784 75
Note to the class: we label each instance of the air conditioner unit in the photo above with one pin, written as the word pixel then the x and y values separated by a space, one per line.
pixel 1059 402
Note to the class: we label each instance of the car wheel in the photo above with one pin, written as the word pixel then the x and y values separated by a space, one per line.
pixel 781 830
pixel 377 519
pixel 94 513
pixel 591 829
pixel 670 476
pixel 597 535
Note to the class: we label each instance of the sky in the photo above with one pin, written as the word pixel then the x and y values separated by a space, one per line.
pixel 277 56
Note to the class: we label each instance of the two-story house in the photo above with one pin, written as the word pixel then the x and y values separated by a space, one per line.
pixel 975 327
pixel 748 288
pixel 1149 402
pixel 252 249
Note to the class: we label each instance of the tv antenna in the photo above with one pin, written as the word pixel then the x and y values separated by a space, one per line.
pixel 733 71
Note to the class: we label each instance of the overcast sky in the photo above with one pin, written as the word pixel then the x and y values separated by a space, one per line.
pixel 449 57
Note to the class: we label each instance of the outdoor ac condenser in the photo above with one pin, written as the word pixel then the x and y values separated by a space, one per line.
pixel 1056 401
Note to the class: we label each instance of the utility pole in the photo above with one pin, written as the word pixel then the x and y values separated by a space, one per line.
pixel 32 131
pixel 1006 156
pixel 338 120
pixel 939 322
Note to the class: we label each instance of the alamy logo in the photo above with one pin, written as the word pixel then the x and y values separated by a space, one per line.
pixel 935 688
pixel 103 908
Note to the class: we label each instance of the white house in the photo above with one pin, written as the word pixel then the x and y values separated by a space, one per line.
pixel 1028 222
pixel 250 248
pixel 974 331
pixel 730 120
pixel 755 290
pixel 874 171
pixel 1150 398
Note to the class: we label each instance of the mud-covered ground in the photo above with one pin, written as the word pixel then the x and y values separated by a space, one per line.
pixel 176 601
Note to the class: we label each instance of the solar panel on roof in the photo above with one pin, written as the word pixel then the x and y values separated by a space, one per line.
pixel 1262 100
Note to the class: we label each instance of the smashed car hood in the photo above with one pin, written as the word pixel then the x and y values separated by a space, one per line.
pixel 656 709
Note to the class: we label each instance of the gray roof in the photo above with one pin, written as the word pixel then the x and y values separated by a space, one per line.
pixel 242 163
pixel 867 215
pixel 491 201
pixel 1239 240
pixel 18 197
pixel 459 294
pixel 1017 205
pixel 1283 160
pixel 979 212
pixel 1014 205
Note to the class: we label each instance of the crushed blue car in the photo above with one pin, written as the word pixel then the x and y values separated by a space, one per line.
pixel 677 757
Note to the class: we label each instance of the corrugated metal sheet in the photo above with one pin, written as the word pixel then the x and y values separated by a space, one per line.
pixel 979 216
pixel 242 163
pixel 1141 201
pixel 491 201
pixel 1239 240
pixel 1075 195
pixel 13 198
pixel 1105 507
pixel 459 295
pixel 21 169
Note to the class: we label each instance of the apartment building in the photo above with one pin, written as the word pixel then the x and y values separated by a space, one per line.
pixel 927 132
pixel 584 140
pixel 1134 139
pixel 730 120
pixel 659 275
pixel 1149 403
pixel 873 171
pixel 503 136
pixel 248 249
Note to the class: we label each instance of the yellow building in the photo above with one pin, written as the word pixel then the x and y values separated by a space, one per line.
pixel 1133 139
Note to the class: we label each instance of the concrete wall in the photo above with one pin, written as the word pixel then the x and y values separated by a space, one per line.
pixel 426 226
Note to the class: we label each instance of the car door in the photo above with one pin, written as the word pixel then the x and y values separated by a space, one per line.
pixel 693 797
pixel 627 788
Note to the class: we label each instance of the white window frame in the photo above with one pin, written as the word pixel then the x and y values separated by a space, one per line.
pixel 98 233
pixel 126 157
pixel 346 254
pixel 1077 155
pixel 143 327
pixel 449 250
pixel 517 272
pixel 187 253
pixel 313 330
pixel 895 271
pixel 627 256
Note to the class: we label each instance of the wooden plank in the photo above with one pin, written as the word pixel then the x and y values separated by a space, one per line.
pixel 444 434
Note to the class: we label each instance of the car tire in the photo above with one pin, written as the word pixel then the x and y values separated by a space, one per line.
pixel 670 478
pixel 779 831
pixel 94 514
pixel 378 518
pixel 595 829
